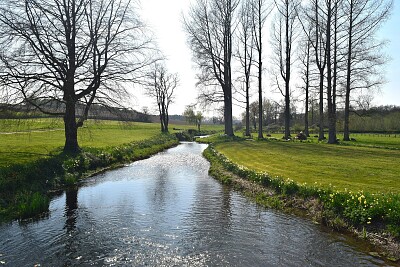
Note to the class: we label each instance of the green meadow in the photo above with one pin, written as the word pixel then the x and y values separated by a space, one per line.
pixel 26 140
pixel 355 166
pixel 388 141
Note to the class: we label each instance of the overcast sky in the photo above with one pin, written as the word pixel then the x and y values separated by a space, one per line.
pixel 165 19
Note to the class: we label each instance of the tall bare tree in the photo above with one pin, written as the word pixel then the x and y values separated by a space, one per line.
pixel 364 56
pixel 328 46
pixel 161 86
pixel 261 10
pixel 209 25
pixel 246 52
pixel 315 14
pixel 63 56
pixel 305 55
pixel 285 29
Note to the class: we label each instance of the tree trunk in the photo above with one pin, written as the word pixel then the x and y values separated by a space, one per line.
pixel 287 112
pixel 346 130
pixel 260 106
pixel 331 113
pixel 71 128
pixel 287 78
pixel 247 110
pixel 306 126
pixel 228 112
pixel 306 131
pixel 166 118
pixel 260 100
pixel 321 106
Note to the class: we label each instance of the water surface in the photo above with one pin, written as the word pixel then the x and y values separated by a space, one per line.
pixel 167 211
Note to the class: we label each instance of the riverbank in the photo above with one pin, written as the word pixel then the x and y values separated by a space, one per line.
pixel 356 213
pixel 25 189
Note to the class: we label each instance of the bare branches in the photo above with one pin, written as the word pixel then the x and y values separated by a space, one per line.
pixel 72 51
pixel 209 25
pixel 161 86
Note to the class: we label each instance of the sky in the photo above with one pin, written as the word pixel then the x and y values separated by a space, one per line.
pixel 165 20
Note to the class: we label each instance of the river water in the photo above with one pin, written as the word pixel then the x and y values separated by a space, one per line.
pixel 167 211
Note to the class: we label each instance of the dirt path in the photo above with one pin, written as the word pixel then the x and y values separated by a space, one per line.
pixel 33 131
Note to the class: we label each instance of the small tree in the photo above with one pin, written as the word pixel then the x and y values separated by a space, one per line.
pixel 161 86
pixel 192 117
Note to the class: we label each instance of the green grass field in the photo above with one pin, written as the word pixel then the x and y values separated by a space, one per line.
pixel 23 141
pixel 390 141
pixel 352 167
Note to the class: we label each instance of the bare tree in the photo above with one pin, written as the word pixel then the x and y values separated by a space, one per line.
pixel 330 97
pixel 210 32
pixel 305 75
pixel 161 86
pixel 315 15
pixel 364 56
pixel 261 11
pixel 284 32
pixel 64 56
pixel 245 53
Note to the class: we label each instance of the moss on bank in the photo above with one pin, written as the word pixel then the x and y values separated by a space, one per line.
pixel 25 189
pixel 372 217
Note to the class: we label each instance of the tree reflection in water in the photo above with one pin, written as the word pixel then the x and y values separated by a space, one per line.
pixel 71 206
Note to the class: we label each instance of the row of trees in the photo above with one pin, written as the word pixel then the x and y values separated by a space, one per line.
pixel 60 56
pixel 332 42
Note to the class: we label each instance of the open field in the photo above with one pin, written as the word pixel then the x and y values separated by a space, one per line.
pixel 345 167
pixel 390 141
pixel 23 141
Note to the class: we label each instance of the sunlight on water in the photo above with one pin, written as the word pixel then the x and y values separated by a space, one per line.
pixel 167 211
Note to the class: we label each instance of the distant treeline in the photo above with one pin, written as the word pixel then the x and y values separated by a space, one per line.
pixel 380 119
pixel 98 112
pixel 377 119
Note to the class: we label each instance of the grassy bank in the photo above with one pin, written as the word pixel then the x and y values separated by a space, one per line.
pixel 344 167
pixel 25 187
pixel 349 205
pixel 27 140
pixel 24 141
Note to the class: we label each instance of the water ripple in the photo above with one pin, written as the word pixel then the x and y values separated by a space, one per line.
pixel 167 211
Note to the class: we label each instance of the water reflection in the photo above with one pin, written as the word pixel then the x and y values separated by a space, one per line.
pixel 71 206
pixel 167 211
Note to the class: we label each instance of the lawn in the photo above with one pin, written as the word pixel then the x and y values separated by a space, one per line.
pixel 390 141
pixel 345 167
pixel 25 140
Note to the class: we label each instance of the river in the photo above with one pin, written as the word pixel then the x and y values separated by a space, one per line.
pixel 167 211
